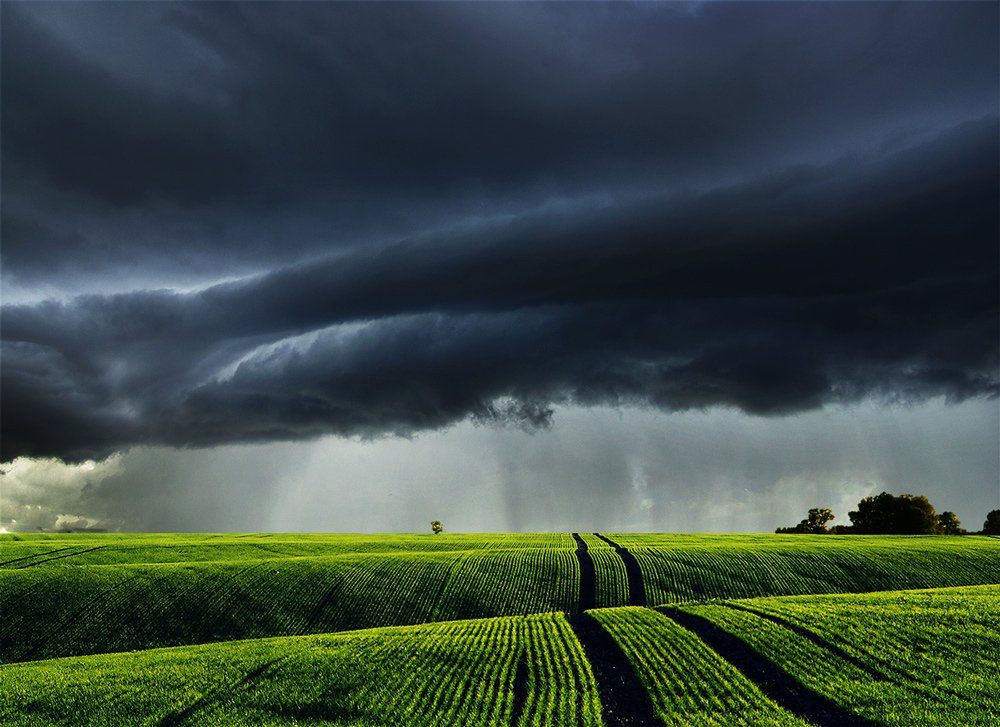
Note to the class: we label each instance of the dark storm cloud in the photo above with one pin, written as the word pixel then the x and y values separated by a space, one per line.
pixel 834 283
pixel 210 137
pixel 487 210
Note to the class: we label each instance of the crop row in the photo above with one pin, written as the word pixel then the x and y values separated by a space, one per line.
pixel 890 658
pixel 34 551
pixel 57 611
pixel 482 672
pixel 94 610
pixel 611 581
pixel 818 564
pixel 688 683
pixel 894 658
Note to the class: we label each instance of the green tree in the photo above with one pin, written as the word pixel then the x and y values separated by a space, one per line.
pixel 948 524
pixel 817 519
pixel 437 527
pixel 992 524
pixel 815 522
pixel 895 515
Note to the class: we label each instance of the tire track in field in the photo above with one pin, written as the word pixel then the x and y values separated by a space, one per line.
pixel 225 581
pixel 636 587
pixel 780 686
pixel 212 695
pixel 324 601
pixel 520 689
pixel 900 677
pixel 439 597
pixel 588 579
pixel 624 700
pixel 818 640
pixel 73 618
pixel 66 555
pixel 35 555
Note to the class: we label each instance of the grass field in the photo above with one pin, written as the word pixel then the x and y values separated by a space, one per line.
pixel 463 672
pixel 900 658
pixel 487 629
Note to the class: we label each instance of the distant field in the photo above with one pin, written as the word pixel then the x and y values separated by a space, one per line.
pixel 132 548
pixel 695 567
pixel 900 658
pixel 63 595
pixel 62 603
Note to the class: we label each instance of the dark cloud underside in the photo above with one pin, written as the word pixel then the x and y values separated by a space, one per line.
pixel 444 211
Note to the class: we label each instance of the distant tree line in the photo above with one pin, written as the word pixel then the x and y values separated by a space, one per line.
pixel 888 514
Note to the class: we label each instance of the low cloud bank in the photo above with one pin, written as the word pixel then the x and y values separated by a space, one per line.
pixel 873 278
pixel 47 495
pixel 594 469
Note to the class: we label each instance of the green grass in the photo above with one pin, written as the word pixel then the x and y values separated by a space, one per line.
pixel 91 609
pixel 688 683
pixel 461 672
pixel 678 568
pixel 34 550
pixel 612 583
pixel 897 658
pixel 936 648
pixel 64 595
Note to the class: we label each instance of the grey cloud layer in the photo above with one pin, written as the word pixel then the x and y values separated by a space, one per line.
pixel 487 210
pixel 772 297
pixel 204 137
pixel 595 470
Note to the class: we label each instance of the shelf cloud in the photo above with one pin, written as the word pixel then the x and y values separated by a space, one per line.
pixel 342 220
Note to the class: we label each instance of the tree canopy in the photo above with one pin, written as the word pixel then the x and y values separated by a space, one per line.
pixel 948 524
pixel 992 524
pixel 894 514
pixel 815 522
pixel 888 514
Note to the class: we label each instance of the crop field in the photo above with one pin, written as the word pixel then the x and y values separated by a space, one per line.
pixel 567 629
pixel 88 609
pixel 678 568
pixel 686 681
pixel 485 671
pixel 899 658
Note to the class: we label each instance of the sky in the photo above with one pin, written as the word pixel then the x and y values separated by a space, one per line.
pixel 616 266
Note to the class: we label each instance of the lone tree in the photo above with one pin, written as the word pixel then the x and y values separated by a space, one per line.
pixel 948 524
pixel 992 524
pixel 437 527
pixel 815 522
pixel 894 515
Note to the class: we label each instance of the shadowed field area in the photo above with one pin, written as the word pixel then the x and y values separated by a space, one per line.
pixel 937 649
pixel 77 594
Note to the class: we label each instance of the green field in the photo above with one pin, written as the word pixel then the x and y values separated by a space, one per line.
pixel 487 629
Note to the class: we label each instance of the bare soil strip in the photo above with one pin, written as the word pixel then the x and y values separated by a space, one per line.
pixel 636 588
pixel 816 639
pixel 624 700
pixel 520 689
pixel 35 555
pixel 780 686
pixel 588 579
pixel 875 673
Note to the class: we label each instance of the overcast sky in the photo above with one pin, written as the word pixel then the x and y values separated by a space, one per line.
pixel 544 266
